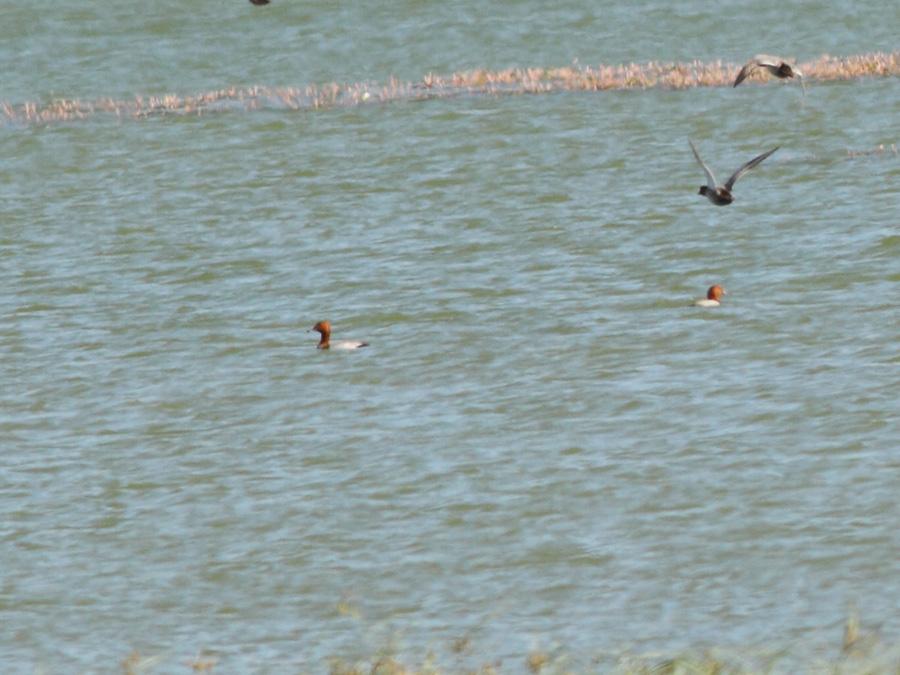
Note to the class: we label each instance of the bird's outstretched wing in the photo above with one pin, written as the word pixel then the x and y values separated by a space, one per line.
pixel 746 167
pixel 710 179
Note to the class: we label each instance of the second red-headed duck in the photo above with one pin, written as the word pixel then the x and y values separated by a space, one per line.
pixel 713 297
pixel 323 328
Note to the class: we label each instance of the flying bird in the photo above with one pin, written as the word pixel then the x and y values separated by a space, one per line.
pixel 721 195
pixel 774 65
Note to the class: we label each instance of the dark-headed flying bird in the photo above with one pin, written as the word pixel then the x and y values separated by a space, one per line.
pixel 774 65
pixel 721 195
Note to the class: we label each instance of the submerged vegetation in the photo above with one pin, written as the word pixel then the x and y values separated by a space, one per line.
pixel 859 652
pixel 713 662
pixel 470 83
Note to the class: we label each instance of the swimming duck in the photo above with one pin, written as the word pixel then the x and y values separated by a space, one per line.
pixel 774 65
pixel 324 329
pixel 712 298
pixel 259 2
pixel 720 195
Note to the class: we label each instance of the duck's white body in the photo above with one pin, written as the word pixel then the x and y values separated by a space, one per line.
pixel 345 344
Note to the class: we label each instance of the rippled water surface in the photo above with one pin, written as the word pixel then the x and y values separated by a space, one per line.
pixel 545 445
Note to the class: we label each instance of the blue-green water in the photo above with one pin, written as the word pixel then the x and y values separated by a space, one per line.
pixel 545 445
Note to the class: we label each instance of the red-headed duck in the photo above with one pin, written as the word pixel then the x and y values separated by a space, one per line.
pixel 774 65
pixel 721 195
pixel 324 329
pixel 712 298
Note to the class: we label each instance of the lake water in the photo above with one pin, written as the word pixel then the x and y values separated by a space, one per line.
pixel 545 446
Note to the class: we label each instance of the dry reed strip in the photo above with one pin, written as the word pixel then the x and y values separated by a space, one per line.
pixel 479 82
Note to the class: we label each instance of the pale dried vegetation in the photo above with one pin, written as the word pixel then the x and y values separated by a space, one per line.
pixel 469 83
